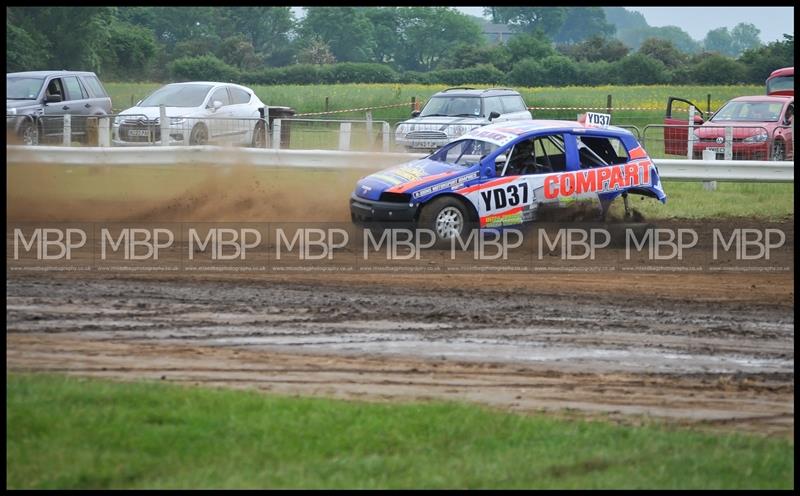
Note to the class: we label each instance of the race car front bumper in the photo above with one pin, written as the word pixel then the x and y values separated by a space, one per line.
pixel 363 210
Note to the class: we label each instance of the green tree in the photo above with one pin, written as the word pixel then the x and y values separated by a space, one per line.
pixel 316 52
pixel 760 62
pixel 429 34
pixel 720 41
pixel 130 52
pixel 634 38
pixel 714 68
pixel 78 36
pixel 664 51
pixel 536 46
pixel 386 27
pixel 595 49
pixel 745 36
pixel 637 68
pixel 347 31
pixel 25 51
pixel 238 51
pixel 582 23
pixel 267 29
pixel 547 20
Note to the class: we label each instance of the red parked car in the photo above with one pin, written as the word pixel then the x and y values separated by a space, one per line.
pixel 762 129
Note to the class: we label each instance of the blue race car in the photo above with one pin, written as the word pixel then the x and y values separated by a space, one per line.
pixel 504 173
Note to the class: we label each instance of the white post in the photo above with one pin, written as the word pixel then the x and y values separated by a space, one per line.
pixel 164 124
pixel 103 132
pixel 690 134
pixel 276 134
pixel 728 143
pixel 387 136
pixel 370 138
pixel 67 136
pixel 344 136
pixel 709 155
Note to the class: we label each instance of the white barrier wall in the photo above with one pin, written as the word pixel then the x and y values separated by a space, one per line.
pixel 689 170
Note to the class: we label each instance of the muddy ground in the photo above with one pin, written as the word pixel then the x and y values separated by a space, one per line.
pixel 710 350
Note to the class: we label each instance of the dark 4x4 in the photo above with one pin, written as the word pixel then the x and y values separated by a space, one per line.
pixel 36 100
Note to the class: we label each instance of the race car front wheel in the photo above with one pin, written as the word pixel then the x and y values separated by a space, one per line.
pixel 447 218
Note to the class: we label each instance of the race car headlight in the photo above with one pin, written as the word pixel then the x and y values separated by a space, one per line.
pixel 176 121
pixel 401 130
pixel 11 111
pixel 761 137
pixel 696 134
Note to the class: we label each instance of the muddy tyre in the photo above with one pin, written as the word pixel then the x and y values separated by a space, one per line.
pixel 259 135
pixel 448 218
pixel 199 135
pixel 27 133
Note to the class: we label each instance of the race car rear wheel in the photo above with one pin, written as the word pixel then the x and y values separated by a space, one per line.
pixel 199 135
pixel 447 217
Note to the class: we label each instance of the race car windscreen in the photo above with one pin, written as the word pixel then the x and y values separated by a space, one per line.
pixel 178 95
pixel 452 106
pixel 749 111
pixel 23 88
pixel 466 152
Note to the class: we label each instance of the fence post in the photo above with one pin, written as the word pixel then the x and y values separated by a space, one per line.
pixel 413 103
pixel 608 104
pixel 709 155
pixel 708 105
pixel 326 103
pixel 370 137
pixel 276 134
pixel 729 143
pixel 162 122
pixel 344 136
pixel 387 136
pixel 690 134
pixel 67 135
pixel 104 132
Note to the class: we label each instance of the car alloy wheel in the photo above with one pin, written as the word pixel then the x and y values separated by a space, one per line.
pixel 449 223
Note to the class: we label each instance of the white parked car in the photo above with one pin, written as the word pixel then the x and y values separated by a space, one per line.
pixel 457 111
pixel 199 113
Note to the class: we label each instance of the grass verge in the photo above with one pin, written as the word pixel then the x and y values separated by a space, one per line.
pixel 79 433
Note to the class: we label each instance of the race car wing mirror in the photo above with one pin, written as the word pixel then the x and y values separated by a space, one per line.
pixel 216 105
pixel 415 113
pixel 494 115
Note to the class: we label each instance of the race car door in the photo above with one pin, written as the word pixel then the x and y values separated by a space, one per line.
pixel 676 139
pixel 516 193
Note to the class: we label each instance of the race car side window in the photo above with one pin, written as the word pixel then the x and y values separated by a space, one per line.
pixel 599 151
pixel 540 155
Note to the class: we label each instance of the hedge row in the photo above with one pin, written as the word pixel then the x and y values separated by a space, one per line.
pixel 555 70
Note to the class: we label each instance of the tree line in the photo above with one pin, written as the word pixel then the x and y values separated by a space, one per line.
pixel 270 45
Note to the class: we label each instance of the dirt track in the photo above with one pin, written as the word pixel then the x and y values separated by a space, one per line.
pixel 513 343
pixel 707 349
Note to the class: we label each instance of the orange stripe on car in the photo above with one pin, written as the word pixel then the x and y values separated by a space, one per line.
pixel 402 188
pixel 479 187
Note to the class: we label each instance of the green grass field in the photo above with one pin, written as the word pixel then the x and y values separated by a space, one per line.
pixel 77 434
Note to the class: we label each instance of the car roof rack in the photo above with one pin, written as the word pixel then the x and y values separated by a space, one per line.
pixel 458 88
pixel 498 89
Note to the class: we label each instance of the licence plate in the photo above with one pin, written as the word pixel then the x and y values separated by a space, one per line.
pixel 716 149
pixel 138 132
pixel 424 144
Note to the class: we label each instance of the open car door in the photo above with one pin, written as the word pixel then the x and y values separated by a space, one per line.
pixel 676 139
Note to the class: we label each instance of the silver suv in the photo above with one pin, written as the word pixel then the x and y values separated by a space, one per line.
pixel 455 111
pixel 46 96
